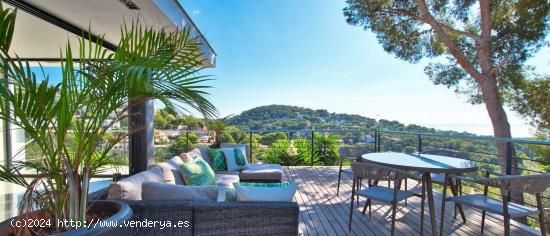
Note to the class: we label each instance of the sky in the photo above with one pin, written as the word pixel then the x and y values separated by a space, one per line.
pixel 303 53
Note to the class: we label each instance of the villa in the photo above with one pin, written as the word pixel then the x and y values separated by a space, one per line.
pixel 357 180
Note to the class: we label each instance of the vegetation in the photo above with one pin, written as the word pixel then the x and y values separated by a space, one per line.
pixel 165 119
pixel 297 152
pixel 485 43
pixel 66 121
pixel 181 144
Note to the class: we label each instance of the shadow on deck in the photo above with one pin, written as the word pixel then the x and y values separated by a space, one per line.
pixel 324 213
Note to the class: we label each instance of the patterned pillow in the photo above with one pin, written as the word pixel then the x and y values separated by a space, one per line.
pixel 198 173
pixel 235 158
pixel 218 159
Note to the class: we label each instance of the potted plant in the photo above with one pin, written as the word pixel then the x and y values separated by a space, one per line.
pixel 69 121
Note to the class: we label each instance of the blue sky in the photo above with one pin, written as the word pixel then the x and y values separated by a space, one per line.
pixel 304 53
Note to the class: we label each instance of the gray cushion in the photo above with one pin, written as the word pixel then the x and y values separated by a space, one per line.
pixel 204 154
pixel 174 165
pixel 164 191
pixel 383 194
pixel 226 172
pixel 493 205
pixel 170 174
pixel 226 180
pixel 262 172
pixel 130 188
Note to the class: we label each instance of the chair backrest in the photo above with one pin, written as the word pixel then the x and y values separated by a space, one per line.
pixel 367 170
pixel 526 184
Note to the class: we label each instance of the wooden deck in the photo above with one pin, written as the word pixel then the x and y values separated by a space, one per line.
pixel 324 213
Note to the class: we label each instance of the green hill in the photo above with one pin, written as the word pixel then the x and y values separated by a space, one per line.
pixel 283 117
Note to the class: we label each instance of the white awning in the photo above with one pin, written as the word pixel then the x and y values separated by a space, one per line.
pixel 43 27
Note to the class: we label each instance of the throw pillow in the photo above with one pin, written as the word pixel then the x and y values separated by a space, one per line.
pixel 260 192
pixel 186 157
pixel 235 159
pixel 198 173
pixel 218 159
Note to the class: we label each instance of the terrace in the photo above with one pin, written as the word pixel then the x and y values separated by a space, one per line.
pixel 321 210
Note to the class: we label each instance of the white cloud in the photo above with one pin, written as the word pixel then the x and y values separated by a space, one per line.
pixel 196 12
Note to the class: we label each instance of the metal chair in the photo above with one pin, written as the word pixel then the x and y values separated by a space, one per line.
pixel 533 184
pixel 374 173
pixel 352 154
pixel 344 170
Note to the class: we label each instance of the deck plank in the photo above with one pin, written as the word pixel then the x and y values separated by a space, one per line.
pixel 322 212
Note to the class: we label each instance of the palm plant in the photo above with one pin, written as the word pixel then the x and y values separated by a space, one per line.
pixel 102 86
pixel 218 126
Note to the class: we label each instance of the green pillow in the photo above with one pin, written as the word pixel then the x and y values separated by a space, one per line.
pixel 198 173
pixel 218 159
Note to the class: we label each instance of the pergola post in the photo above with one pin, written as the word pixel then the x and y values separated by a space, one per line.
pixel 141 139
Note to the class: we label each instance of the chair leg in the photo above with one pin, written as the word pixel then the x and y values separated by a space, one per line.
pixel 396 186
pixel 351 204
pixel 358 187
pixel 422 199
pixel 443 198
pixel 365 207
pixel 339 177
pixel 482 221
pixel 459 186
pixel 541 214
pixel 505 214
pixel 394 208
pixel 406 188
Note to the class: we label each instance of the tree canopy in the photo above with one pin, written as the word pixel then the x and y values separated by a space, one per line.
pixel 481 46
pixel 518 30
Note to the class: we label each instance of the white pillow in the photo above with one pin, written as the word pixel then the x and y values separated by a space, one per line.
pixel 234 163
pixel 265 192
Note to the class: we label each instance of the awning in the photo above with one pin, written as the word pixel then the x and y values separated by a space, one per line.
pixel 43 27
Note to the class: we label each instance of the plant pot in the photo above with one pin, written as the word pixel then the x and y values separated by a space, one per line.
pixel 124 212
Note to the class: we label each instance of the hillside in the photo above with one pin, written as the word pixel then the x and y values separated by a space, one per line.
pixel 278 117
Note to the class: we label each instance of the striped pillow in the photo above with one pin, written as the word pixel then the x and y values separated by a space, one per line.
pixel 198 173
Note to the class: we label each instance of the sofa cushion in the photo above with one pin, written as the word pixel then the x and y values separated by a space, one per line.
pixel 203 151
pixel 226 180
pixel 235 158
pixel 268 192
pixel 130 188
pixel 262 172
pixel 197 173
pixel 218 159
pixel 163 191
pixel 174 165
pixel 226 172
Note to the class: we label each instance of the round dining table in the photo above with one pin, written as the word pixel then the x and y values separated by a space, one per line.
pixel 427 165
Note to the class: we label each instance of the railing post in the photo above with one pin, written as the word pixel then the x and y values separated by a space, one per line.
pixel 376 141
pixel 419 149
pixel 186 141
pixel 116 177
pixel 379 141
pixel 250 145
pixel 312 145
pixel 509 158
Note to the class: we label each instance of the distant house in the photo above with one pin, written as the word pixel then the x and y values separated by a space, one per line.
pixel 368 139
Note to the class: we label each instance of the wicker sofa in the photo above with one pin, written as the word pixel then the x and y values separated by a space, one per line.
pixel 220 214
pixel 212 217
